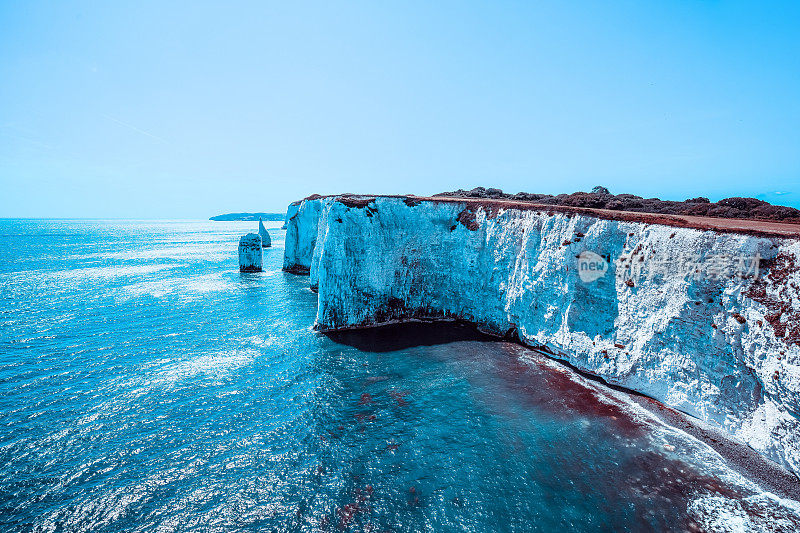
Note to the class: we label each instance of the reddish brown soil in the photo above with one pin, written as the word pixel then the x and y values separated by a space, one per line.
pixel 359 202
pixel 762 228
pixel 467 219
pixel 784 319
pixel 601 198
pixel 722 225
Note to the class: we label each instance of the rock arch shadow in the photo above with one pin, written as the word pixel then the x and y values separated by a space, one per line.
pixel 401 336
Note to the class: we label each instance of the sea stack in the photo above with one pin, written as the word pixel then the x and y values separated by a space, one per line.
pixel 250 253
pixel 265 240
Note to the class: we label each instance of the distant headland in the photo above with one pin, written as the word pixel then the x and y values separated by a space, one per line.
pixel 227 217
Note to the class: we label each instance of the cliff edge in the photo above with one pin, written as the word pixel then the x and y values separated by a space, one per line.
pixel 699 313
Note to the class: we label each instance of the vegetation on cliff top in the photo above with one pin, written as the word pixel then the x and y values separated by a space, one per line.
pixel 601 198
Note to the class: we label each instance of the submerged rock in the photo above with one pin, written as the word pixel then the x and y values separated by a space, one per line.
pixel 250 259
pixel 266 242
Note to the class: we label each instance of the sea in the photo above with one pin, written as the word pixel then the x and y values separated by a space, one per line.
pixel 146 385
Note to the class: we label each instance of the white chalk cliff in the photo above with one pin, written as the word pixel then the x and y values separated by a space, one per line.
pixel 266 242
pixel 718 345
pixel 250 254
pixel 290 212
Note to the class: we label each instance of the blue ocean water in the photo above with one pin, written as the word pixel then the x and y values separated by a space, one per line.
pixel 147 385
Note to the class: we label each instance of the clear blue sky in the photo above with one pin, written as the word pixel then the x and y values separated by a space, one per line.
pixel 186 110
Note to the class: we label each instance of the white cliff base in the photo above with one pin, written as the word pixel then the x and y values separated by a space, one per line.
pixel 720 345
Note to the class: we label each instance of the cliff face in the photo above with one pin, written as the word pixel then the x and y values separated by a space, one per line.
pixel 290 212
pixel 301 234
pixel 682 315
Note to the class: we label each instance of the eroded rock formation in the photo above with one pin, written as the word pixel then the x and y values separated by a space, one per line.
pixel 266 242
pixel 250 255
pixel 679 314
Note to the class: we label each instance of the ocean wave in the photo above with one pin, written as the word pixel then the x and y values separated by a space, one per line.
pixel 760 513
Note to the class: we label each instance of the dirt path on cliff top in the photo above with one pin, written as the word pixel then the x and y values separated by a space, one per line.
pixel 725 225
pixel 760 228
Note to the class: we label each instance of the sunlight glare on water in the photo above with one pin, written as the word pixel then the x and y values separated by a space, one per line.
pixel 145 384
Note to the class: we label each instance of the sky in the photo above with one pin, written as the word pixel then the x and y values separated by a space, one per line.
pixel 187 110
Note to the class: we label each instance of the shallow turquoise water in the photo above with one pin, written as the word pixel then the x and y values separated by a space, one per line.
pixel 145 384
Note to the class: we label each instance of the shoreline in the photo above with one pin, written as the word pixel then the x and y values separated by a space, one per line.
pixel 725 319
pixel 739 457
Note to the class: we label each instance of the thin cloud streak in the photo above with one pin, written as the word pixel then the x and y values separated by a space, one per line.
pixel 137 130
